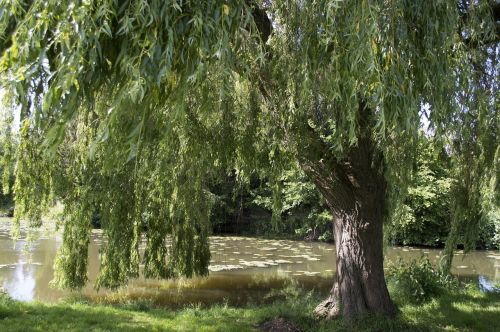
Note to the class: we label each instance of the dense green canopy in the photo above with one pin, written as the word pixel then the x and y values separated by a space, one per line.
pixel 130 108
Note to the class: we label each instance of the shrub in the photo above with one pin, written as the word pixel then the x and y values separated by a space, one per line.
pixel 7 305
pixel 417 281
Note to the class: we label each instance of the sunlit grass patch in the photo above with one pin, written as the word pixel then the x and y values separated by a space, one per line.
pixel 464 310
pixel 458 310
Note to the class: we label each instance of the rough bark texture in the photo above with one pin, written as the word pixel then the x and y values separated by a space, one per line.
pixel 354 189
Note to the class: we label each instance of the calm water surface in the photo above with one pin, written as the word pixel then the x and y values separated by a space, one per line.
pixel 242 269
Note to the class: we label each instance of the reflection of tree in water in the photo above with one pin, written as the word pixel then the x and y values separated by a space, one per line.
pixel 44 252
pixel 30 265
pixel 21 284
pixel 480 263
pixel 475 263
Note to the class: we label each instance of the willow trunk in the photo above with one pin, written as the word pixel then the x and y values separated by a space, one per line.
pixel 359 285
pixel 354 188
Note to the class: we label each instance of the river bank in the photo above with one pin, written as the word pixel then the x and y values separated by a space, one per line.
pixel 241 269
pixel 467 309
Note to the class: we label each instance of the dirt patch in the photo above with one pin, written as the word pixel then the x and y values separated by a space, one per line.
pixel 278 325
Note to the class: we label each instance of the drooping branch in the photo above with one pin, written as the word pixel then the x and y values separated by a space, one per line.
pixel 464 9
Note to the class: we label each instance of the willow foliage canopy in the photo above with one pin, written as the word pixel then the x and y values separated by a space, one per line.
pixel 132 107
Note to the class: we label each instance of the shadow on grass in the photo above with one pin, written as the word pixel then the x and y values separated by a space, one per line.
pixel 457 311
pixel 454 311
pixel 464 311
pixel 40 317
pixel 477 313
pixel 15 316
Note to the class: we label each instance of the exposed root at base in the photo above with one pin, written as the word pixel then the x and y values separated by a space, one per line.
pixel 328 309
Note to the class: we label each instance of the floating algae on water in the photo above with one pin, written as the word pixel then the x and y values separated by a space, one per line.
pixel 250 266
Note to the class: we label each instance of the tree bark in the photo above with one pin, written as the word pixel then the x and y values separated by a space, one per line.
pixel 359 286
pixel 354 189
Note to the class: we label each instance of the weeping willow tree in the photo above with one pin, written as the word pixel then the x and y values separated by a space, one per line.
pixel 132 107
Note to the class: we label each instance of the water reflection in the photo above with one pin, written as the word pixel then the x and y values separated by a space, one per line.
pixel 486 285
pixel 22 285
pixel 241 268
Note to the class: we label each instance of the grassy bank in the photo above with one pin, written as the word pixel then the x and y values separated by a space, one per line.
pixel 466 310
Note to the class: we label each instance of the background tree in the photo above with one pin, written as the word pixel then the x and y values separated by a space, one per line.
pixel 425 216
pixel 135 105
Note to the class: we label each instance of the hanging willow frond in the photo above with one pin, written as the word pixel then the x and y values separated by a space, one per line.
pixel 129 108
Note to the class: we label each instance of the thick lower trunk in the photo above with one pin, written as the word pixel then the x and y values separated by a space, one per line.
pixel 359 286
pixel 354 188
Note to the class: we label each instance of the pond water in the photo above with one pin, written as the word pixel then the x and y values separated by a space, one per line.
pixel 242 269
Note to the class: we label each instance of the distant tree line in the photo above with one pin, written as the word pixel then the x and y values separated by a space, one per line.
pixel 424 218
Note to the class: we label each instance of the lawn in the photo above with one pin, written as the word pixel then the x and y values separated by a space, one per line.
pixel 464 310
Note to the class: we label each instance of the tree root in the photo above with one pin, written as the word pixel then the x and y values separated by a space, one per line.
pixel 328 309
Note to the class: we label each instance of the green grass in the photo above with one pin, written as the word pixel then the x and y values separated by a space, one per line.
pixel 466 310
